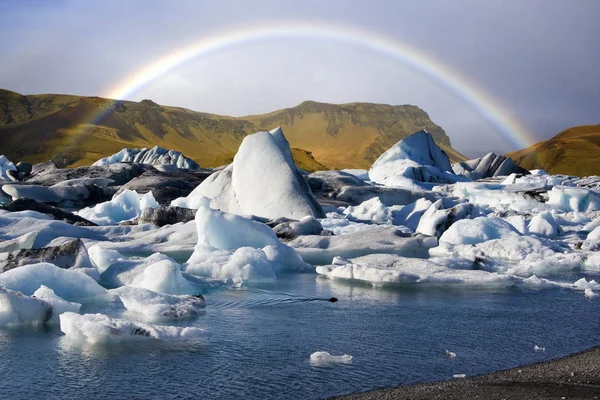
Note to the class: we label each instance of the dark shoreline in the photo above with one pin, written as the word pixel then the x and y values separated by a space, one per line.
pixel 576 376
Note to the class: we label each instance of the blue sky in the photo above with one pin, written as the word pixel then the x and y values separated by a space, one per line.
pixel 539 59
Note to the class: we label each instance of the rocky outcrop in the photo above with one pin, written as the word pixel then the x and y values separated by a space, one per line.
pixel 71 254
pixel 55 212
pixel 166 215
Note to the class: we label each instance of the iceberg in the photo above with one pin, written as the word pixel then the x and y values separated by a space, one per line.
pixel 478 230
pixel 389 269
pixel 69 284
pixel 123 207
pixel 231 247
pixel 414 160
pixel 17 309
pixel 154 156
pixel 99 328
pixel 262 180
pixel 153 304
pixel 59 305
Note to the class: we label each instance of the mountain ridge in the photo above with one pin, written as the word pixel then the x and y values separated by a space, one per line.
pixel 65 128
pixel 574 151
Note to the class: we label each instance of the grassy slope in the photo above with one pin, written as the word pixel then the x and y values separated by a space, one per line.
pixel 40 127
pixel 575 151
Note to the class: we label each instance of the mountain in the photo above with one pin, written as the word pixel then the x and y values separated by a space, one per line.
pixel 575 151
pixel 68 129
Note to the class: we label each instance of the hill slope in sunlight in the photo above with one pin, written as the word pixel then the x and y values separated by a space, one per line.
pixel 575 151
pixel 77 130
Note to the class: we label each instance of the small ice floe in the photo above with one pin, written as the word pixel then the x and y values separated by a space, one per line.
pixel 459 376
pixel 323 358
pixel 449 354
pixel 97 328
pixel 538 348
pixel 590 294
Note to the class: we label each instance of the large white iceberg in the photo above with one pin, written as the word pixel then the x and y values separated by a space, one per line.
pixel 262 180
pixel 125 206
pixel 154 156
pixel 414 159
pixel 98 328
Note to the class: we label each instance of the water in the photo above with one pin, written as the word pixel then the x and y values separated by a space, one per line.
pixel 262 337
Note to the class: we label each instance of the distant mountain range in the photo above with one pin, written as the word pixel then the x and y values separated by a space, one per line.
pixel 67 129
pixel 575 151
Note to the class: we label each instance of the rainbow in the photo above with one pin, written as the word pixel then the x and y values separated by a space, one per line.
pixel 467 90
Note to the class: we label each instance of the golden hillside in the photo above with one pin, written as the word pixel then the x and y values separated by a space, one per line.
pixel 575 151
pixel 67 129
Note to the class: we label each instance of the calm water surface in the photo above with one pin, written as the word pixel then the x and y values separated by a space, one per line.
pixel 261 339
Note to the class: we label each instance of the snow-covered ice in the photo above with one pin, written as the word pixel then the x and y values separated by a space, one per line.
pixel 154 304
pixel 99 328
pixel 17 308
pixel 123 207
pixel 154 156
pixel 59 305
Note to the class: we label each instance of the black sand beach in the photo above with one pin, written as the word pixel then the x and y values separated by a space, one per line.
pixel 573 377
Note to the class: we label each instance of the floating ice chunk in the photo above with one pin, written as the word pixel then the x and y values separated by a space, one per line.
pixel 59 305
pixel 223 231
pixel 155 304
pixel 246 264
pixel 98 328
pixel 389 269
pixel 370 210
pixel 124 271
pixel 321 250
pixel 552 264
pixel 539 172
pixel 450 354
pixel 459 376
pixel 16 308
pixel 481 229
pixel 125 206
pixel 590 294
pixel 66 283
pixel 543 224
pixel 574 199
pixel 324 358
pixel 518 222
pixel 165 277
pixel 5 166
pixel 516 248
pixel 538 348
pixel 583 284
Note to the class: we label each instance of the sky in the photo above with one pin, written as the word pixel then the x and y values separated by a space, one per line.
pixel 536 62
